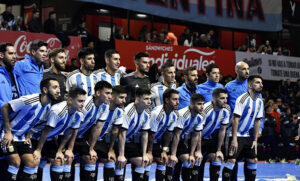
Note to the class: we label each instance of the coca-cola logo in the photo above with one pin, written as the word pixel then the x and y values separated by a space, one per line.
pixel 22 45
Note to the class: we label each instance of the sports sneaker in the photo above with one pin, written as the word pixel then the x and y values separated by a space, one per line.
pixel 297 161
pixel 283 161
pixel 272 160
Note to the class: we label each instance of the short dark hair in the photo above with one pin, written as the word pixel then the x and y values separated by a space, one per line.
pixel 216 93
pixel 139 92
pixel 4 45
pixel 53 53
pixel 36 44
pixel 188 69
pixel 166 65
pixel 168 93
pixel 210 67
pixel 139 55
pixel 101 85
pixel 108 53
pixel 252 77
pixel 73 93
pixel 197 97
pixel 119 90
pixel 84 52
pixel 46 83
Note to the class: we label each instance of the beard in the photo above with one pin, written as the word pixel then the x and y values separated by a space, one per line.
pixel 51 97
pixel 59 67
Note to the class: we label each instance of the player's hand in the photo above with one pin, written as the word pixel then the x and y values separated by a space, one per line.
pixel 173 160
pixel 233 147
pixel 150 156
pixel 59 157
pixel 145 160
pixel 164 157
pixel 7 138
pixel 93 154
pixel 254 145
pixel 111 156
pixel 69 156
pixel 198 156
pixel 121 162
pixel 297 138
pixel 192 160
pixel 219 155
pixel 37 155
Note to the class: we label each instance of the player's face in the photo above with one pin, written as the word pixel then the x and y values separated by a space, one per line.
pixel 78 102
pixel 143 65
pixel 105 95
pixel 221 100
pixel 243 71
pixel 9 56
pixel 40 55
pixel 198 106
pixel 60 61
pixel 114 62
pixel 193 77
pixel 89 62
pixel 119 99
pixel 53 90
pixel 145 101
pixel 214 75
pixel 257 85
pixel 174 101
pixel 169 75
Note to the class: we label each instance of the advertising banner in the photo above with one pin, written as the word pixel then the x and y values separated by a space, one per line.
pixel 22 41
pixel 182 56
pixel 263 15
pixel 271 67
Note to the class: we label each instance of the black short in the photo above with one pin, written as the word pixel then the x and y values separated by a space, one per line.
pixel 18 148
pixel 101 148
pixel 156 150
pixel 133 150
pixel 49 149
pixel 81 147
pixel 183 148
pixel 209 146
pixel 244 148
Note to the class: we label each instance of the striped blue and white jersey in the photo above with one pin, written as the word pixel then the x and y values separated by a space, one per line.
pixel 115 117
pixel 249 110
pixel 114 80
pixel 214 119
pixel 135 123
pixel 59 120
pixel 160 122
pixel 78 79
pixel 157 91
pixel 189 124
pixel 92 114
pixel 26 112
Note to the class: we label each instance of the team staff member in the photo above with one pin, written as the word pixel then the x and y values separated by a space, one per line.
pixel 217 114
pixel 138 78
pixel 83 77
pixel 134 132
pixel 63 119
pixel 157 89
pixel 18 117
pixel 110 74
pixel 29 71
pixel 248 111
pixel 58 60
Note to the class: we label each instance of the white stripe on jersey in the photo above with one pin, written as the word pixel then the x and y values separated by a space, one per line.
pixel 59 120
pixel 189 123
pixel 78 79
pixel 92 114
pixel 26 112
pixel 114 80
pixel 114 117
pixel 160 122
pixel 157 91
pixel 249 111
pixel 135 122
pixel 213 119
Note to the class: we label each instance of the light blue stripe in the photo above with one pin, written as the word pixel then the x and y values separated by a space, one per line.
pixel 113 81
pixel 109 165
pixel 12 169
pixel 79 81
pixel 89 85
pixel 252 166
pixel 89 167
pixel 160 93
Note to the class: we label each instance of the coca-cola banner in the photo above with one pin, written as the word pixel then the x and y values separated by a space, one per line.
pixel 182 56
pixel 22 41
pixel 271 67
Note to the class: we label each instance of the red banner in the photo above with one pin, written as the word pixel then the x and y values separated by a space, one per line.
pixel 22 41
pixel 182 56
